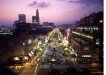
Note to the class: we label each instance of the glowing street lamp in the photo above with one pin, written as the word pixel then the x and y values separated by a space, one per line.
pixel 26 58
pixel 16 58
pixel 53 59
pixel 30 54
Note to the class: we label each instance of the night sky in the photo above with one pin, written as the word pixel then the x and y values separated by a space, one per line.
pixel 57 11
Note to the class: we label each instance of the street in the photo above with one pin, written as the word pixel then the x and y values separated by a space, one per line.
pixel 55 56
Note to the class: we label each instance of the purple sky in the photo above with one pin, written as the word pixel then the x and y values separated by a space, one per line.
pixel 57 11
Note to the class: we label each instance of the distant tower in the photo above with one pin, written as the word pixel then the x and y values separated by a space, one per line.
pixel 37 16
pixel 22 18
pixel 35 19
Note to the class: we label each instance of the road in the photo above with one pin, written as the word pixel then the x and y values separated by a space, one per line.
pixel 30 69
pixel 53 52
pixel 55 59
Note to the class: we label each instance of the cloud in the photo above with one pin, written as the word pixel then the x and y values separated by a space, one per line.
pixel 40 4
pixel 34 3
pixel 43 4
pixel 88 2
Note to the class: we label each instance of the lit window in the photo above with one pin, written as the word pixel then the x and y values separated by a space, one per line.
pixel 101 21
pixel 81 28
pixel 23 43
pixel 86 55
pixel 97 41
pixel 91 28
pixel 85 28
pixel 96 28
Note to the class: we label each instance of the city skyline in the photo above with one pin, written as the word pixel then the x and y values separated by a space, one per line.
pixel 57 11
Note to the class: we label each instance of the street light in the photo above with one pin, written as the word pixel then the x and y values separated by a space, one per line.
pixel 30 54
pixel 16 58
pixel 53 60
pixel 26 58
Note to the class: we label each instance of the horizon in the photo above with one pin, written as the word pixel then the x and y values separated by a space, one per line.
pixel 57 11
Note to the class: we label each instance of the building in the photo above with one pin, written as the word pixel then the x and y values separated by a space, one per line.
pixel 35 19
pixel 37 16
pixel 5 30
pixel 22 28
pixel 22 18
pixel 87 38
pixel 14 45
pixel 48 24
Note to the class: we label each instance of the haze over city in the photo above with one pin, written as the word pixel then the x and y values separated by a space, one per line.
pixel 57 11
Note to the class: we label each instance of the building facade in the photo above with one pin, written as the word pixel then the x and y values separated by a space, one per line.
pixel 35 19
pixel 87 38
pixel 22 18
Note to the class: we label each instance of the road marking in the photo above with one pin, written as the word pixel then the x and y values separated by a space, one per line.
pixel 35 71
